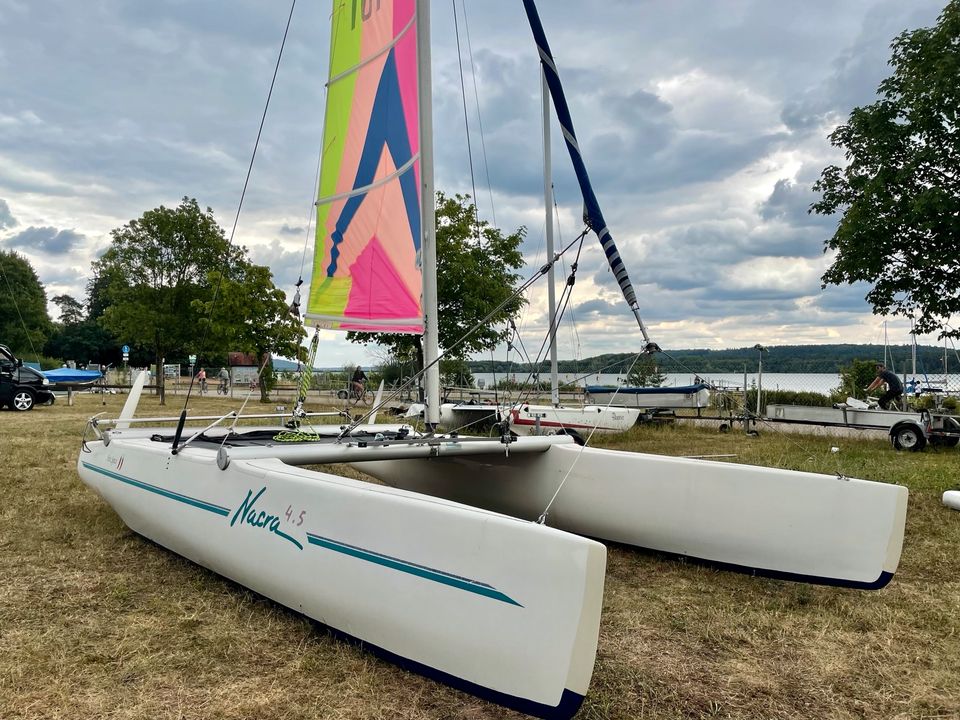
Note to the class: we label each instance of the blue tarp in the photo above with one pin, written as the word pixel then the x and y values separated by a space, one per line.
pixel 69 376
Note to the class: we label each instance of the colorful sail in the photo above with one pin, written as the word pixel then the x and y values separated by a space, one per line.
pixel 367 261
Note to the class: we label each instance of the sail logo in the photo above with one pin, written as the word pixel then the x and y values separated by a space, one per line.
pixel 247 513
pixel 367 8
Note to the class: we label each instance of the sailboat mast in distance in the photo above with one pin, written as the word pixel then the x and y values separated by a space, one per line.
pixel 592 213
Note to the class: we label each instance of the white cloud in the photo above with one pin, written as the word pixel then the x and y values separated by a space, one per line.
pixel 703 124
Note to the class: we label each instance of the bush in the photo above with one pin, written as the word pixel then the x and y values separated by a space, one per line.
pixel 788 397
pixel 855 377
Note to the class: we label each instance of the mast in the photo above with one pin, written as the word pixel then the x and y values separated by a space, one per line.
pixel 913 355
pixel 548 232
pixel 431 350
pixel 886 343
pixel 592 213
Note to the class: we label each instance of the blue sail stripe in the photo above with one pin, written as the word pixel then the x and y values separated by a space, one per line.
pixel 186 499
pixel 382 130
pixel 439 576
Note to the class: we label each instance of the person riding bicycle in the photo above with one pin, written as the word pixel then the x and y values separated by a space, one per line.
pixel 894 386
pixel 358 381
pixel 202 380
pixel 224 377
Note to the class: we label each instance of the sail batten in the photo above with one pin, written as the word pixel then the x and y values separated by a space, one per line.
pixel 349 71
pixel 371 186
pixel 367 257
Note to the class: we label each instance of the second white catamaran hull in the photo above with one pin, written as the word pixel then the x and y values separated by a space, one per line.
pixel 776 523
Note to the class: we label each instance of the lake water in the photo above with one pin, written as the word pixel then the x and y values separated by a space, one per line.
pixel 800 382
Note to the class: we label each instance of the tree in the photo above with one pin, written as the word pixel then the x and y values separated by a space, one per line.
pixel 71 309
pixel 251 315
pixel 900 191
pixel 474 276
pixel 79 336
pixel 645 373
pixel 154 270
pixel 855 377
pixel 24 321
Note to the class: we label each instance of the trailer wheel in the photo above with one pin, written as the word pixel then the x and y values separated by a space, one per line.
pixel 908 437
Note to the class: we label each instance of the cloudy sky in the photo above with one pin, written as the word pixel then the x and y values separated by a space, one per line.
pixel 703 123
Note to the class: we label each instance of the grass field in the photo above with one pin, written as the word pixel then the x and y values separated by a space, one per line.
pixel 96 622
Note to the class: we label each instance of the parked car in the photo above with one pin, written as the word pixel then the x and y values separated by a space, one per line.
pixel 21 387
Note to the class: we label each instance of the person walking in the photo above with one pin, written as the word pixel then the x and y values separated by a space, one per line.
pixel 894 386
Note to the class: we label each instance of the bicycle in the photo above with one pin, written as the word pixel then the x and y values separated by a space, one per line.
pixel 223 387
pixel 356 396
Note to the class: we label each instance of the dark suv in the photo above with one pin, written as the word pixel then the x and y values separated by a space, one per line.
pixel 21 387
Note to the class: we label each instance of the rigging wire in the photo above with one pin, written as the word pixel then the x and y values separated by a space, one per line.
pixel 476 98
pixel 466 127
pixel 540 272
pixel 236 219
pixel 564 300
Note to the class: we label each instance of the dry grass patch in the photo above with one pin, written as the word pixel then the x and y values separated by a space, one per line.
pixel 96 622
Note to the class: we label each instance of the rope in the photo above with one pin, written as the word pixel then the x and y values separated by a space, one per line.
pixel 298 436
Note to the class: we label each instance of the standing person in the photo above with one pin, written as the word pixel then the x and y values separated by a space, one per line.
pixel 358 380
pixel 202 380
pixel 894 386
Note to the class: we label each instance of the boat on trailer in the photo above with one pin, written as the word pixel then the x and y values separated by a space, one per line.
pixel 583 420
pixel 681 396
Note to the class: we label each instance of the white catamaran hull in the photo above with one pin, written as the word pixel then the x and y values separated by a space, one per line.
pixel 547 419
pixel 505 609
pixel 777 523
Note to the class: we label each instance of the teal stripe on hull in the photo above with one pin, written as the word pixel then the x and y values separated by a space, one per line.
pixel 186 499
pixel 421 571
pixel 439 576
